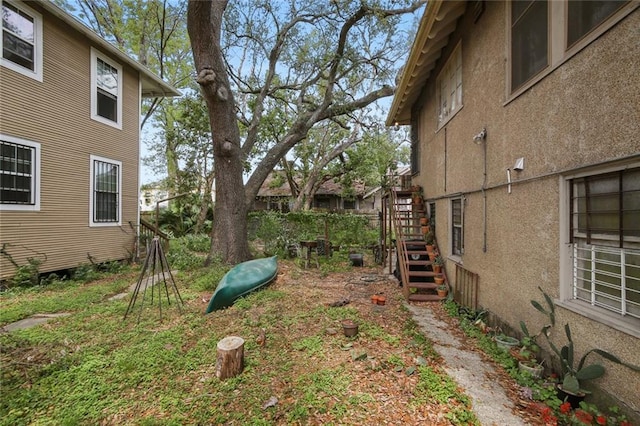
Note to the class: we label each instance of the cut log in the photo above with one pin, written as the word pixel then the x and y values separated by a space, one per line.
pixel 230 361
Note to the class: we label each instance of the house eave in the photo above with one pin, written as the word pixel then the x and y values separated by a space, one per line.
pixel 437 24
pixel 152 85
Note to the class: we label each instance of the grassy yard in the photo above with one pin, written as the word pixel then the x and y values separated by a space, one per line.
pixel 92 367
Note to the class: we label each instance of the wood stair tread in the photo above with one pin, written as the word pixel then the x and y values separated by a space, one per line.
pixel 419 262
pixel 425 298
pixel 424 274
pixel 423 285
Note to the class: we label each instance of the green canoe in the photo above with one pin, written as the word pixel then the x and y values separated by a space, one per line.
pixel 241 280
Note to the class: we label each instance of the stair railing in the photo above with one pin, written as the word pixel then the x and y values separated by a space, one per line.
pixel 401 252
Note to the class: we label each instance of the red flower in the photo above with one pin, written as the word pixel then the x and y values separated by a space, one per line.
pixel 601 420
pixel 548 417
pixel 625 423
pixel 584 417
pixel 565 407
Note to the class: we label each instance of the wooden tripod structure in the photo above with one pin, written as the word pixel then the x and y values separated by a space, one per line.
pixel 154 276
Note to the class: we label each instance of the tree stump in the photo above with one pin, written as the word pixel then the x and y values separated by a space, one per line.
pixel 230 361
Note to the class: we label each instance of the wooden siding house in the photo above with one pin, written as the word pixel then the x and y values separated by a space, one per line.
pixel 525 123
pixel 69 140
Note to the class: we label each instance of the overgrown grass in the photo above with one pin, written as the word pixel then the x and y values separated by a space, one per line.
pixel 95 367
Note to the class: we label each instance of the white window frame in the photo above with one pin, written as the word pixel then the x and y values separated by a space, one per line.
pixel 567 299
pixel 36 73
pixel 457 257
pixel 95 55
pixel 449 87
pixel 35 172
pixel 558 51
pixel 92 223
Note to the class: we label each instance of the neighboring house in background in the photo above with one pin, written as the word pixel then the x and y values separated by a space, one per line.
pixel 69 140
pixel 275 194
pixel 525 123
pixel 399 178
pixel 149 198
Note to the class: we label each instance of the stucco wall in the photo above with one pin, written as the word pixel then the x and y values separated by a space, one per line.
pixel 585 112
pixel 56 113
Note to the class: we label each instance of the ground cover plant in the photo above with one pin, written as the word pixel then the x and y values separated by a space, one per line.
pixel 93 367
pixel 536 396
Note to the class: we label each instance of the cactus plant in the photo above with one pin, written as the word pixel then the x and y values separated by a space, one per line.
pixel 572 373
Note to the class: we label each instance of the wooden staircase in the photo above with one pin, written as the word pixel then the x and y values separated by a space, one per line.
pixel 414 260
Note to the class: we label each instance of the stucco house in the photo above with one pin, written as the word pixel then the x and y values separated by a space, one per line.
pixel 525 123
pixel 70 140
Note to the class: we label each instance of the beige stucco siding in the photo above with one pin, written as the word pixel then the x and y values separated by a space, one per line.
pixel 585 112
pixel 57 114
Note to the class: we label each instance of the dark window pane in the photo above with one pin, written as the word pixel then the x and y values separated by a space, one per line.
pixel 107 106
pixel 18 36
pixel 584 16
pixel 607 204
pixel 16 173
pixel 106 187
pixel 529 40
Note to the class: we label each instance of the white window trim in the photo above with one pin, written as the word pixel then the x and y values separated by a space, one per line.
pixel 626 324
pixel 36 74
pixel 93 158
pixel 95 55
pixel 558 52
pixel 35 183
pixel 455 55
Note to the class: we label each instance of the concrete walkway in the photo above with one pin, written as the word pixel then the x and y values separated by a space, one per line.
pixel 490 402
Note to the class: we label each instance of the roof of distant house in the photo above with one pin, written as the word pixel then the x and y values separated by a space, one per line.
pixel 269 187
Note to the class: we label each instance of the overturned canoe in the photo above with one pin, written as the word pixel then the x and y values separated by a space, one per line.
pixel 241 280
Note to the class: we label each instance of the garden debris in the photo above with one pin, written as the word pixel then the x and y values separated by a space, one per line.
pixel 271 402
pixel 262 337
pixel 339 303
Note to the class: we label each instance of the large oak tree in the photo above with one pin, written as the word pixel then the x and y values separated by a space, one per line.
pixel 311 60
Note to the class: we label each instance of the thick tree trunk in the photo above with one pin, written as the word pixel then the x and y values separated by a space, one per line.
pixel 229 234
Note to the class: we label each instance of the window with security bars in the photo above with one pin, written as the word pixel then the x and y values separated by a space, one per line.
pixel 605 238
pixel 106 192
pixel 17 173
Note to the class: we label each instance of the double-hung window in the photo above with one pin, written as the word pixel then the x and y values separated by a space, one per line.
pixel 604 236
pixel 21 39
pixel 106 90
pixel 19 174
pixel 449 87
pixel 106 191
pixel 544 34
pixel 457 226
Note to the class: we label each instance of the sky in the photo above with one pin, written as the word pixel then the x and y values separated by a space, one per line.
pixel 148 176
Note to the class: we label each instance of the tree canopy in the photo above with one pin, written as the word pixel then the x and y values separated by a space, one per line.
pixel 272 71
